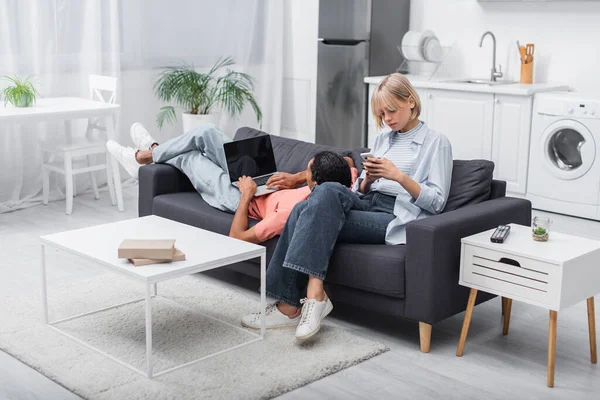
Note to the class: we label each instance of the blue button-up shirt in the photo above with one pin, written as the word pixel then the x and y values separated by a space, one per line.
pixel 431 168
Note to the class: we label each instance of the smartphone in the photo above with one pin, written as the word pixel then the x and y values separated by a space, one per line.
pixel 367 155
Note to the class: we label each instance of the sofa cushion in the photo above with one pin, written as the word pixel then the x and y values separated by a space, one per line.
pixel 471 183
pixel 189 208
pixel 369 267
pixel 293 155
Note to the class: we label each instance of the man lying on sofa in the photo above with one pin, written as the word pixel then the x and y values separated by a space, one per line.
pixel 200 156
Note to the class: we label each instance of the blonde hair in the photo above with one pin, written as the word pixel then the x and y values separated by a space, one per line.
pixel 388 94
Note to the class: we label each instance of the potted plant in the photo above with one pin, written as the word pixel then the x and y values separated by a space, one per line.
pixel 201 95
pixel 21 93
pixel 540 227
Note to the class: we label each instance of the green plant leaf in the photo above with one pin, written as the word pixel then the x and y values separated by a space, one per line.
pixel 166 113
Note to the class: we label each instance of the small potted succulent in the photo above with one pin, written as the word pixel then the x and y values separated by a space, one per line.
pixel 20 93
pixel 540 228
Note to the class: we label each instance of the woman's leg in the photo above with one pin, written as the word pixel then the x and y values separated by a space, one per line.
pixel 365 227
pixel 206 138
pixel 307 241
pixel 284 284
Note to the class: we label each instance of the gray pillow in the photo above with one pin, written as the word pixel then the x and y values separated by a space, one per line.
pixel 471 183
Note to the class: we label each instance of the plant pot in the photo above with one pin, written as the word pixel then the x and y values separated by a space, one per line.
pixel 192 121
pixel 25 100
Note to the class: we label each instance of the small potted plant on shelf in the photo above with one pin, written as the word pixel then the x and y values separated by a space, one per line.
pixel 200 95
pixel 20 93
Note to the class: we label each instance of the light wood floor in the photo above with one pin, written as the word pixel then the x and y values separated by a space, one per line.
pixel 493 366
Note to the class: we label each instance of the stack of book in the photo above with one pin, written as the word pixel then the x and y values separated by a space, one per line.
pixel 150 251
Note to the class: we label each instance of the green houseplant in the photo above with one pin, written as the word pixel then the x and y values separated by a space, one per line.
pixel 20 93
pixel 200 95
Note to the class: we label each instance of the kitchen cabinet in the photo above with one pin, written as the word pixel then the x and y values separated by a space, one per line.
pixel 510 145
pixel 466 118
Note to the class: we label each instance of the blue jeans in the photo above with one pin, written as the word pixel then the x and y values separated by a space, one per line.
pixel 200 156
pixel 331 214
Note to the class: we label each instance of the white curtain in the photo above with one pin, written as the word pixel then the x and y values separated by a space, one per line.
pixel 61 42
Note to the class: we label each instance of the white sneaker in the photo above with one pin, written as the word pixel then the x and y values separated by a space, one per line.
pixel 313 312
pixel 273 319
pixel 141 137
pixel 125 156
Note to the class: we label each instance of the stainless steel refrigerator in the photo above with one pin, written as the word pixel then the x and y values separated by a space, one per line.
pixel 357 38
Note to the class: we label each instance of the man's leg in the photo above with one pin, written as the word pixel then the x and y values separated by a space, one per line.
pixel 210 180
pixel 206 138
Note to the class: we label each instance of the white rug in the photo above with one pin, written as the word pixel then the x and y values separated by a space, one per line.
pixel 263 369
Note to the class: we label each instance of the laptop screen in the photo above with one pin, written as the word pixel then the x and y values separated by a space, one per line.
pixel 251 157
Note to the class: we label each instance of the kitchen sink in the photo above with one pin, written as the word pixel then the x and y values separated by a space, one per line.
pixel 481 82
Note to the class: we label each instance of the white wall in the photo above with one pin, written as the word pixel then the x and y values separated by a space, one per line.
pixel 566 35
pixel 299 102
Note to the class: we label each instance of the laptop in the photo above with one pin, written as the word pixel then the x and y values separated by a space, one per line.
pixel 251 157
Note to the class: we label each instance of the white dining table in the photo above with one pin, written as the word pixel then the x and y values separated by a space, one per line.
pixel 67 109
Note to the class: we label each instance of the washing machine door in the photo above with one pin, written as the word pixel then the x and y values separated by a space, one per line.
pixel 567 149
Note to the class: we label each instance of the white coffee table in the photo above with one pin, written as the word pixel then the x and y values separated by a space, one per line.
pixel 204 250
pixel 555 275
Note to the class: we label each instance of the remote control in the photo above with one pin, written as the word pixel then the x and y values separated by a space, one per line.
pixel 500 234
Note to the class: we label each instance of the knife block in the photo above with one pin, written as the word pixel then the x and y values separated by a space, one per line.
pixel 527 73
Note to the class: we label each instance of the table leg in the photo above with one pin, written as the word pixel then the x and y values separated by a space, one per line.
pixel 68 165
pixel 110 128
pixel 507 310
pixel 503 305
pixel 263 293
pixel 148 332
pixel 44 286
pixel 466 322
pixel 155 289
pixel 592 327
pixel 552 347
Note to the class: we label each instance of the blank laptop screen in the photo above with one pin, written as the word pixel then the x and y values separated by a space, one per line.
pixel 251 157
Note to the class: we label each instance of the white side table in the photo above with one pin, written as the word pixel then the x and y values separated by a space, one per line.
pixel 555 274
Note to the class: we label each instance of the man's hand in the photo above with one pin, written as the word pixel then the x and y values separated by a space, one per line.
pixel 282 180
pixel 383 168
pixel 247 186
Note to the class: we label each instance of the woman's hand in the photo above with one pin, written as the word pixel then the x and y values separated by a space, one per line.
pixel 282 180
pixel 383 168
pixel 247 186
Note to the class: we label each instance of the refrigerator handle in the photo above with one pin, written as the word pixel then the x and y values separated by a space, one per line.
pixel 342 42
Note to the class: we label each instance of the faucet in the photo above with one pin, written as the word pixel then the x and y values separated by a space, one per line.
pixel 495 74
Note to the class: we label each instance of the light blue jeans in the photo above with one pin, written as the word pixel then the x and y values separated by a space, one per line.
pixel 332 213
pixel 200 156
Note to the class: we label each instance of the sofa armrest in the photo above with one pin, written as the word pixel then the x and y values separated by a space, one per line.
pixel 157 179
pixel 433 255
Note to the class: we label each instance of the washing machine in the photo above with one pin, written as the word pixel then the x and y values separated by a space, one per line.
pixel 564 155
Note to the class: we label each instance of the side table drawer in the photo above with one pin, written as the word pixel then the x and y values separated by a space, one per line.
pixel 520 277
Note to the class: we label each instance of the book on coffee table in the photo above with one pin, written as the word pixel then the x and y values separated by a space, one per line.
pixel 155 249
pixel 138 262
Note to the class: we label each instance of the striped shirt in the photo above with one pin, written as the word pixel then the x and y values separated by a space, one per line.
pixel 402 152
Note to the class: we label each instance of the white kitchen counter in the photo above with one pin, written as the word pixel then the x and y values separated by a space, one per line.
pixel 512 89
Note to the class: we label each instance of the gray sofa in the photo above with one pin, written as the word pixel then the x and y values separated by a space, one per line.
pixel 418 280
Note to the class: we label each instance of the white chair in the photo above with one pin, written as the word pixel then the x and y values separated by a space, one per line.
pixel 102 88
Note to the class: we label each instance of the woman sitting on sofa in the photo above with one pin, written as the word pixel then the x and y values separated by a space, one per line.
pixel 408 178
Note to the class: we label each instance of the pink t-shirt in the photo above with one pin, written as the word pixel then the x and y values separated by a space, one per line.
pixel 274 209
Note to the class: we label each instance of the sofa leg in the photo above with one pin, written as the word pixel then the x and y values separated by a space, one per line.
pixel 425 336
